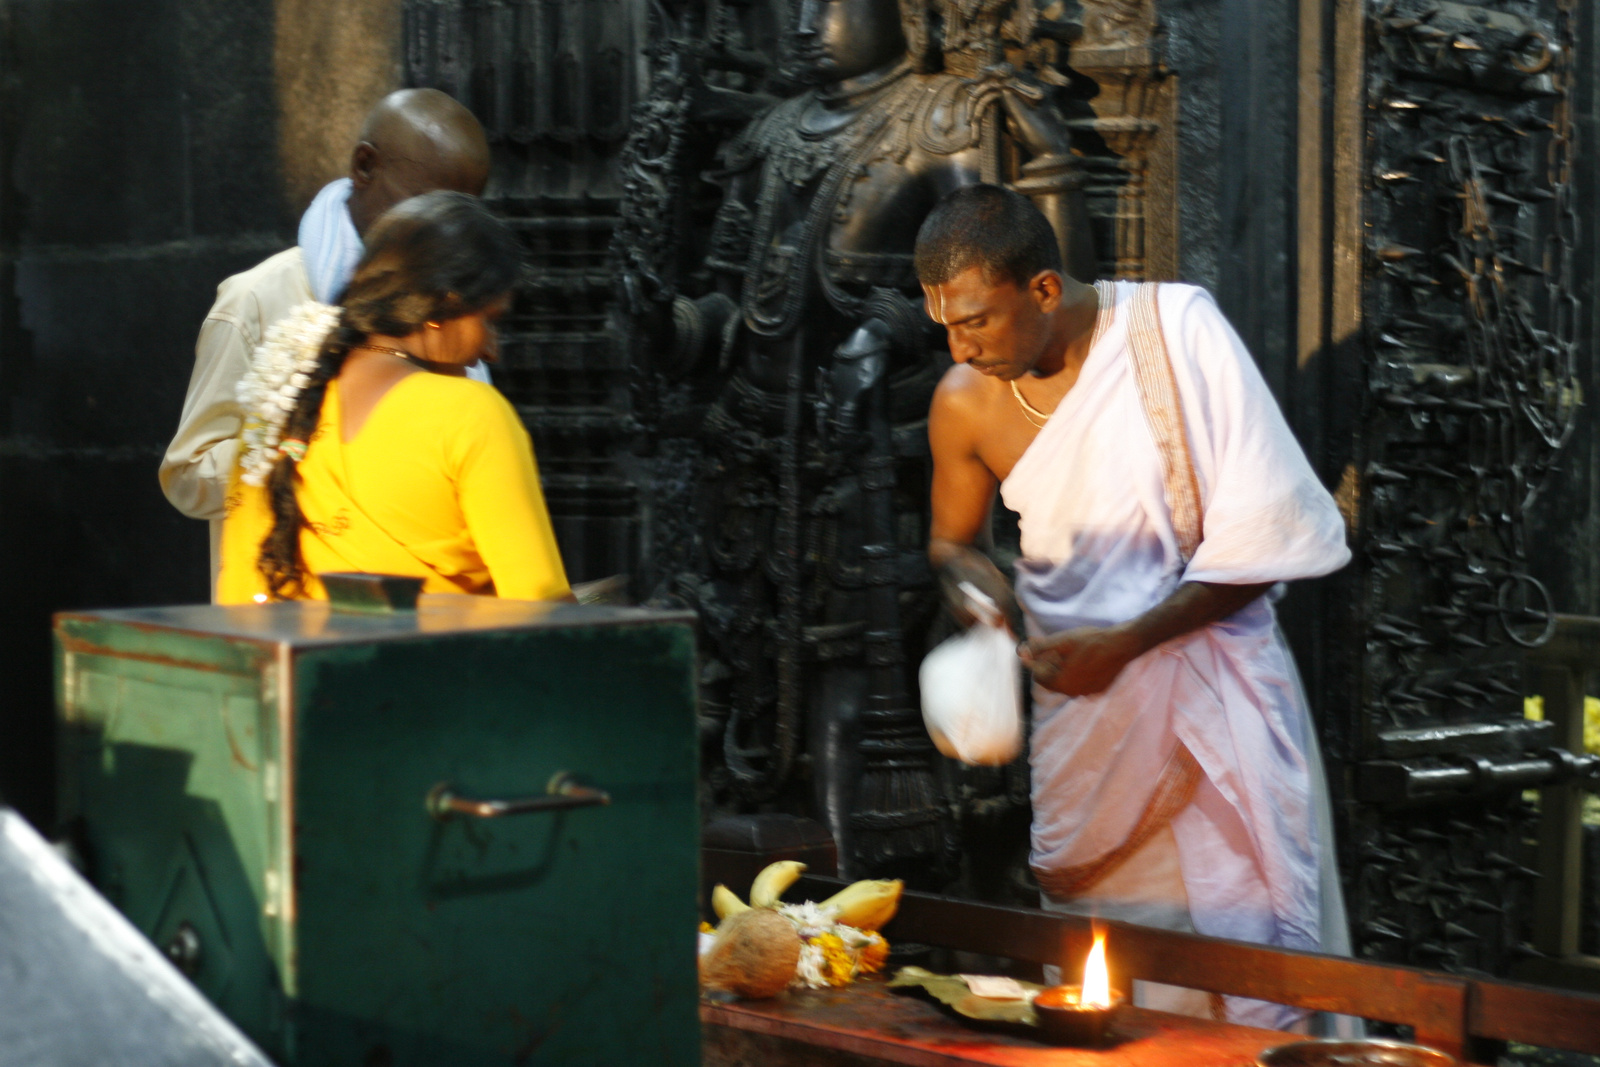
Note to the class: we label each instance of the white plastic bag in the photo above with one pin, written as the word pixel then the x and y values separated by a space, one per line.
pixel 972 690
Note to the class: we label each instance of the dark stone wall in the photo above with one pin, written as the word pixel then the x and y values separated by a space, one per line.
pixel 332 61
pixel 142 160
pixel 148 150
pixel 1236 66
pixel 137 168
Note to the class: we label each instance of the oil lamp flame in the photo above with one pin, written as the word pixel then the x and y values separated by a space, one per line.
pixel 1096 981
pixel 1080 1014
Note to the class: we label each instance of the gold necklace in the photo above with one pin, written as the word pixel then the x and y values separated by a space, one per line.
pixel 1029 412
pixel 388 351
pixel 409 357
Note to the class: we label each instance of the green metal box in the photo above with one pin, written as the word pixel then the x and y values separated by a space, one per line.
pixel 258 789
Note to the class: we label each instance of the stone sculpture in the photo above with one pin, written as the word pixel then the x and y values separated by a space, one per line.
pixel 810 507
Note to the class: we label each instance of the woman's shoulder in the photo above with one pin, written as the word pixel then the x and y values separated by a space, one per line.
pixel 446 392
pixel 461 411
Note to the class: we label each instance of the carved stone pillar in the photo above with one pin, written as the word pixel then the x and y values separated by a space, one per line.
pixel 1130 143
pixel 553 82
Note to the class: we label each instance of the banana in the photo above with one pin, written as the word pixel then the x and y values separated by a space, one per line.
pixel 866 905
pixel 726 902
pixel 772 881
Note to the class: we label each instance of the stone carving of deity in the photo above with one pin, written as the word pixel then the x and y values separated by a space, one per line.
pixel 813 585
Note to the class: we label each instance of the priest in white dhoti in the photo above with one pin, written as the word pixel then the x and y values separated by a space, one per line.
pixel 1163 499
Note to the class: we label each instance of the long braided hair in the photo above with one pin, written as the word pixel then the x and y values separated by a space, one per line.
pixel 432 258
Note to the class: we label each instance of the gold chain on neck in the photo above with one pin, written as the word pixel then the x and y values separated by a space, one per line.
pixel 1029 412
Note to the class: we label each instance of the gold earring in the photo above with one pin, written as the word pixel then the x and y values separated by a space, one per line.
pixel 433 325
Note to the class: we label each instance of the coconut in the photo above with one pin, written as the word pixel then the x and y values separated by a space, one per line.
pixel 754 955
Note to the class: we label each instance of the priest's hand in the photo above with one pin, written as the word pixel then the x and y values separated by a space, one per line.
pixel 1082 661
pixel 963 565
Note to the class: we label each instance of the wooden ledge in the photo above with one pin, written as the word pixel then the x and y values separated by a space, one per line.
pixel 867 1023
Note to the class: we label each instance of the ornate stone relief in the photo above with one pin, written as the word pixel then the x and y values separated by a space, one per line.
pixel 1133 176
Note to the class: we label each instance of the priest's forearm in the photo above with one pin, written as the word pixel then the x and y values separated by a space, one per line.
pixel 1191 606
pixel 1086 660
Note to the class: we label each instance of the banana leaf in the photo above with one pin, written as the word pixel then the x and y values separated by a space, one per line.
pixel 951 990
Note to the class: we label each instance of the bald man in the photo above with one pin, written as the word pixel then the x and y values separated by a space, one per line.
pixel 414 141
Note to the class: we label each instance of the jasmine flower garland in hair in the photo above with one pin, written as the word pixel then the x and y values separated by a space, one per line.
pixel 280 368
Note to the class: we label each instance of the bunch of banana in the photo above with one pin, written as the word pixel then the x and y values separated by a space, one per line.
pixel 865 905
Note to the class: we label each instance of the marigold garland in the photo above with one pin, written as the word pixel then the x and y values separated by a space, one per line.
pixel 831 953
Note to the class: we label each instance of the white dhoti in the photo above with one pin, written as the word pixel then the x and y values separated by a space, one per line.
pixel 1204 742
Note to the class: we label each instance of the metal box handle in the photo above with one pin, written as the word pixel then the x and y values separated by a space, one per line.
pixel 562 792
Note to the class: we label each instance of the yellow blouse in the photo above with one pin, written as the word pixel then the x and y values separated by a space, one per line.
pixel 440 483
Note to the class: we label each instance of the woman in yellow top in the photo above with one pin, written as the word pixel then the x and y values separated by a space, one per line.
pixel 367 449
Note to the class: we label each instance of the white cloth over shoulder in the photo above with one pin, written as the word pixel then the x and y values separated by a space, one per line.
pixel 1099 549
pixel 329 241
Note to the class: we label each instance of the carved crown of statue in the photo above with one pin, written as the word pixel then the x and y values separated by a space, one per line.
pixel 916 17
pixel 963 36
pixel 975 32
pixel 968 35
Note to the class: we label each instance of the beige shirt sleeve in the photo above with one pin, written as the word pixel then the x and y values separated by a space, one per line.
pixel 199 461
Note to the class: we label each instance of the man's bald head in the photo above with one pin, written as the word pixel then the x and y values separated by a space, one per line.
pixel 415 141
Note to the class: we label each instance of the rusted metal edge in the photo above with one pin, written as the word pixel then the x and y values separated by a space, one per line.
pixel 288 757
pixel 78 645
pixel 266 644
